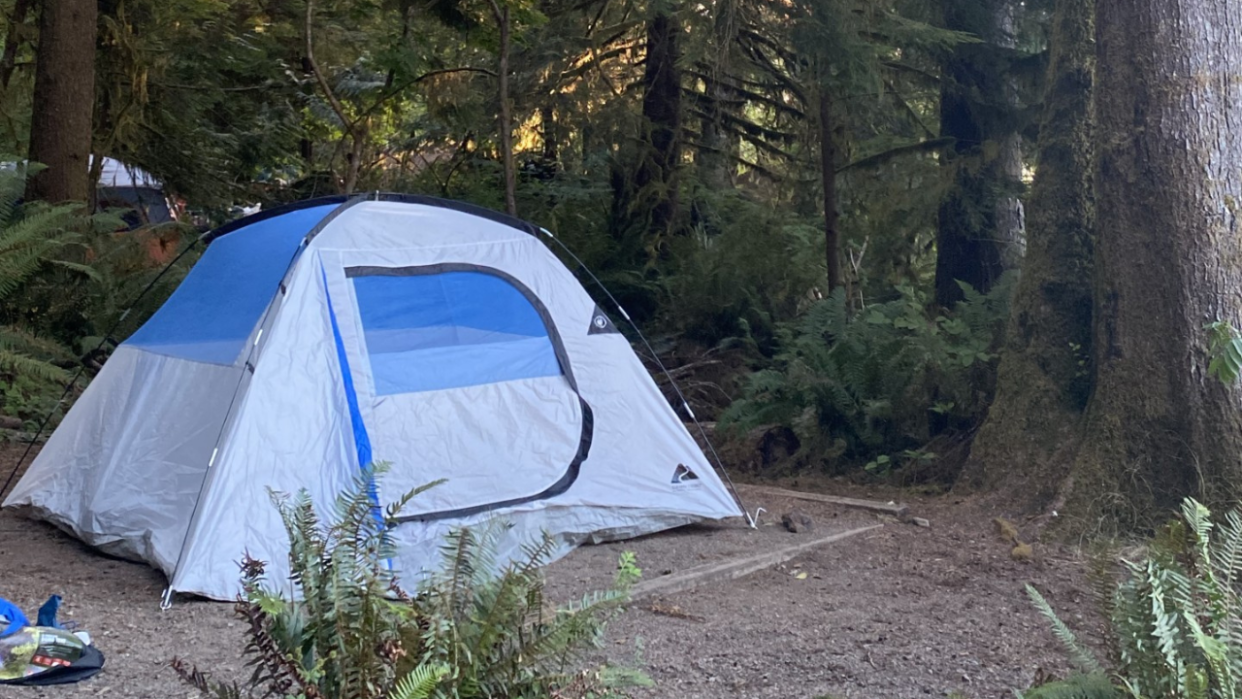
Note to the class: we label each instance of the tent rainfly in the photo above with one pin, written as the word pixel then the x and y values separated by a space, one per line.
pixel 444 339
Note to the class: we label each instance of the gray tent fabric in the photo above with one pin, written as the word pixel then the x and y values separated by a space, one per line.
pixel 445 340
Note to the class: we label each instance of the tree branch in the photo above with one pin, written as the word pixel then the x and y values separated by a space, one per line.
pixel 319 77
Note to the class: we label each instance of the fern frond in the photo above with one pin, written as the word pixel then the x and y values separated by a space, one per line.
pixel 191 675
pixel 1088 686
pixel 1081 657
pixel 13 362
pixel 419 682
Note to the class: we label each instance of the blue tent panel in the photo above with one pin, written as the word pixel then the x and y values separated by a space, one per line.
pixel 218 305
pixel 428 332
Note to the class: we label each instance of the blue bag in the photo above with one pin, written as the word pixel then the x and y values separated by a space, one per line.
pixel 11 618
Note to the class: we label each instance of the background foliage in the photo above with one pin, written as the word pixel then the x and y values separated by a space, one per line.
pixel 249 102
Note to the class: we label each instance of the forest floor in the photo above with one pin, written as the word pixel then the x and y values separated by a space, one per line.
pixel 898 612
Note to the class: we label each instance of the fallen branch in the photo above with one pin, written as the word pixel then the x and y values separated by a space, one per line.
pixel 736 568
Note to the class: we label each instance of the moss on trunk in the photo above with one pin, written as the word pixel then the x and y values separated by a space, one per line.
pixel 1043 377
pixel 1168 259
pixel 980 223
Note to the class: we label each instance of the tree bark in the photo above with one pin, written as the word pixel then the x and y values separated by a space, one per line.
pixel 501 15
pixel 828 172
pixel 980 223
pixel 551 143
pixel 1168 259
pixel 64 99
pixel 714 160
pixel 13 41
pixel 1044 375
pixel 656 181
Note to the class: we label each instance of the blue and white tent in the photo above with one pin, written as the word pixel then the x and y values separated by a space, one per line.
pixel 311 340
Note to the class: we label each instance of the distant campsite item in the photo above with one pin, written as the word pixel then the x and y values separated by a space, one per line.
pixel 314 339
pixel 47 613
pixel 133 189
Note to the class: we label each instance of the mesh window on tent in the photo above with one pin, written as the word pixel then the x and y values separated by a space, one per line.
pixel 430 332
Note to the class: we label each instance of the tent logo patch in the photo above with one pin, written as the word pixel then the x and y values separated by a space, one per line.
pixel 600 323
pixel 682 475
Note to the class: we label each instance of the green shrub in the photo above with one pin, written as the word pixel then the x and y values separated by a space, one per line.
pixel 743 273
pixel 1175 619
pixel 473 630
pixel 33 237
pixel 881 381
pixel 66 278
pixel 1081 686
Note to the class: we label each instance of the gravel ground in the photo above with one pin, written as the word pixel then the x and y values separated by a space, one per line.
pixel 899 612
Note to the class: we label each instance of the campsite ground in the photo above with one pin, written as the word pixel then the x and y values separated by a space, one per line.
pixel 898 612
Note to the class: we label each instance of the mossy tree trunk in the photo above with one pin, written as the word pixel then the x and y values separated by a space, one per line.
pixel 500 13
pixel 64 100
pixel 1044 375
pixel 1168 260
pixel 714 158
pixel 980 223
pixel 657 181
pixel 828 175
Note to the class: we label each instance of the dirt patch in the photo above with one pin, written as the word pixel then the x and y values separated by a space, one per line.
pixel 899 612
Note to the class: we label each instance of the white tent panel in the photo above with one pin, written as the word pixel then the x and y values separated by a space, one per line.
pixel 291 433
pixel 126 465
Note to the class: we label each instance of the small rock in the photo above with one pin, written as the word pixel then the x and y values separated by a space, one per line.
pixel 919 521
pixel 797 522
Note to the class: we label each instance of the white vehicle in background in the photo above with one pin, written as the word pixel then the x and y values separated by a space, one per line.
pixel 123 186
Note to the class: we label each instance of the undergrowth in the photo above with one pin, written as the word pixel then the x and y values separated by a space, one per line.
pixel 475 629
pixel 1174 619
pixel 880 382
pixel 65 279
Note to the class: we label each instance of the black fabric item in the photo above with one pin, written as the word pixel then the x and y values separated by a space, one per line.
pixel 85 667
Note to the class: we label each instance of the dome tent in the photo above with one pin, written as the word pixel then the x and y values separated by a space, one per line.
pixel 313 339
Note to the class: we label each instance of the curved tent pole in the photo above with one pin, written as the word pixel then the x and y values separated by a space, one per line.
pixel 685 404
pixel 47 417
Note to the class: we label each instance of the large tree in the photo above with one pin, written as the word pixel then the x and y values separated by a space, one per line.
pixel 1168 259
pixel 980 227
pixel 657 178
pixel 64 100
pixel 1043 379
